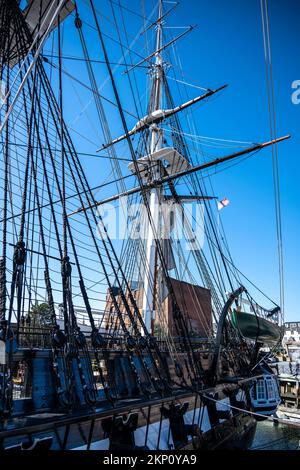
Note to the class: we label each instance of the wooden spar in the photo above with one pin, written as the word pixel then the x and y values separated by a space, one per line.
pixel 160 49
pixel 170 112
pixel 180 174
pixel 147 121
pixel 191 198
pixel 160 18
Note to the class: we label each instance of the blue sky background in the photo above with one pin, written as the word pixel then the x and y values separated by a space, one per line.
pixel 226 47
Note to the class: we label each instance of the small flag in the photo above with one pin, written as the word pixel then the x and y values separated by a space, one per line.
pixel 223 203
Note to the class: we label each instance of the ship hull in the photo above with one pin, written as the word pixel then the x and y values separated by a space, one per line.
pixel 180 419
pixel 83 429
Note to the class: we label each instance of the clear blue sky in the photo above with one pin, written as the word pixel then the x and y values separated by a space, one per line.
pixel 226 47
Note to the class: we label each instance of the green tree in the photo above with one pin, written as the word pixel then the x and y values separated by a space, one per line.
pixel 40 314
pixel 159 331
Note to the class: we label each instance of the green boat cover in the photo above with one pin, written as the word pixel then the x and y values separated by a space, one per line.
pixel 256 328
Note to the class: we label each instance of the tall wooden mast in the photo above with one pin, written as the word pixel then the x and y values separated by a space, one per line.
pixel 155 193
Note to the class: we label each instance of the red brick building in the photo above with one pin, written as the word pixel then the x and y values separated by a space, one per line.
pixel 194 302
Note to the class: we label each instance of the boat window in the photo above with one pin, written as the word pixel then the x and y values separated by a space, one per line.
pixel 260 389
pixel 270 389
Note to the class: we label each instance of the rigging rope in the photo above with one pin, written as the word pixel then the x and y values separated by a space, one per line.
pixel 185 337
pixel 273 133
